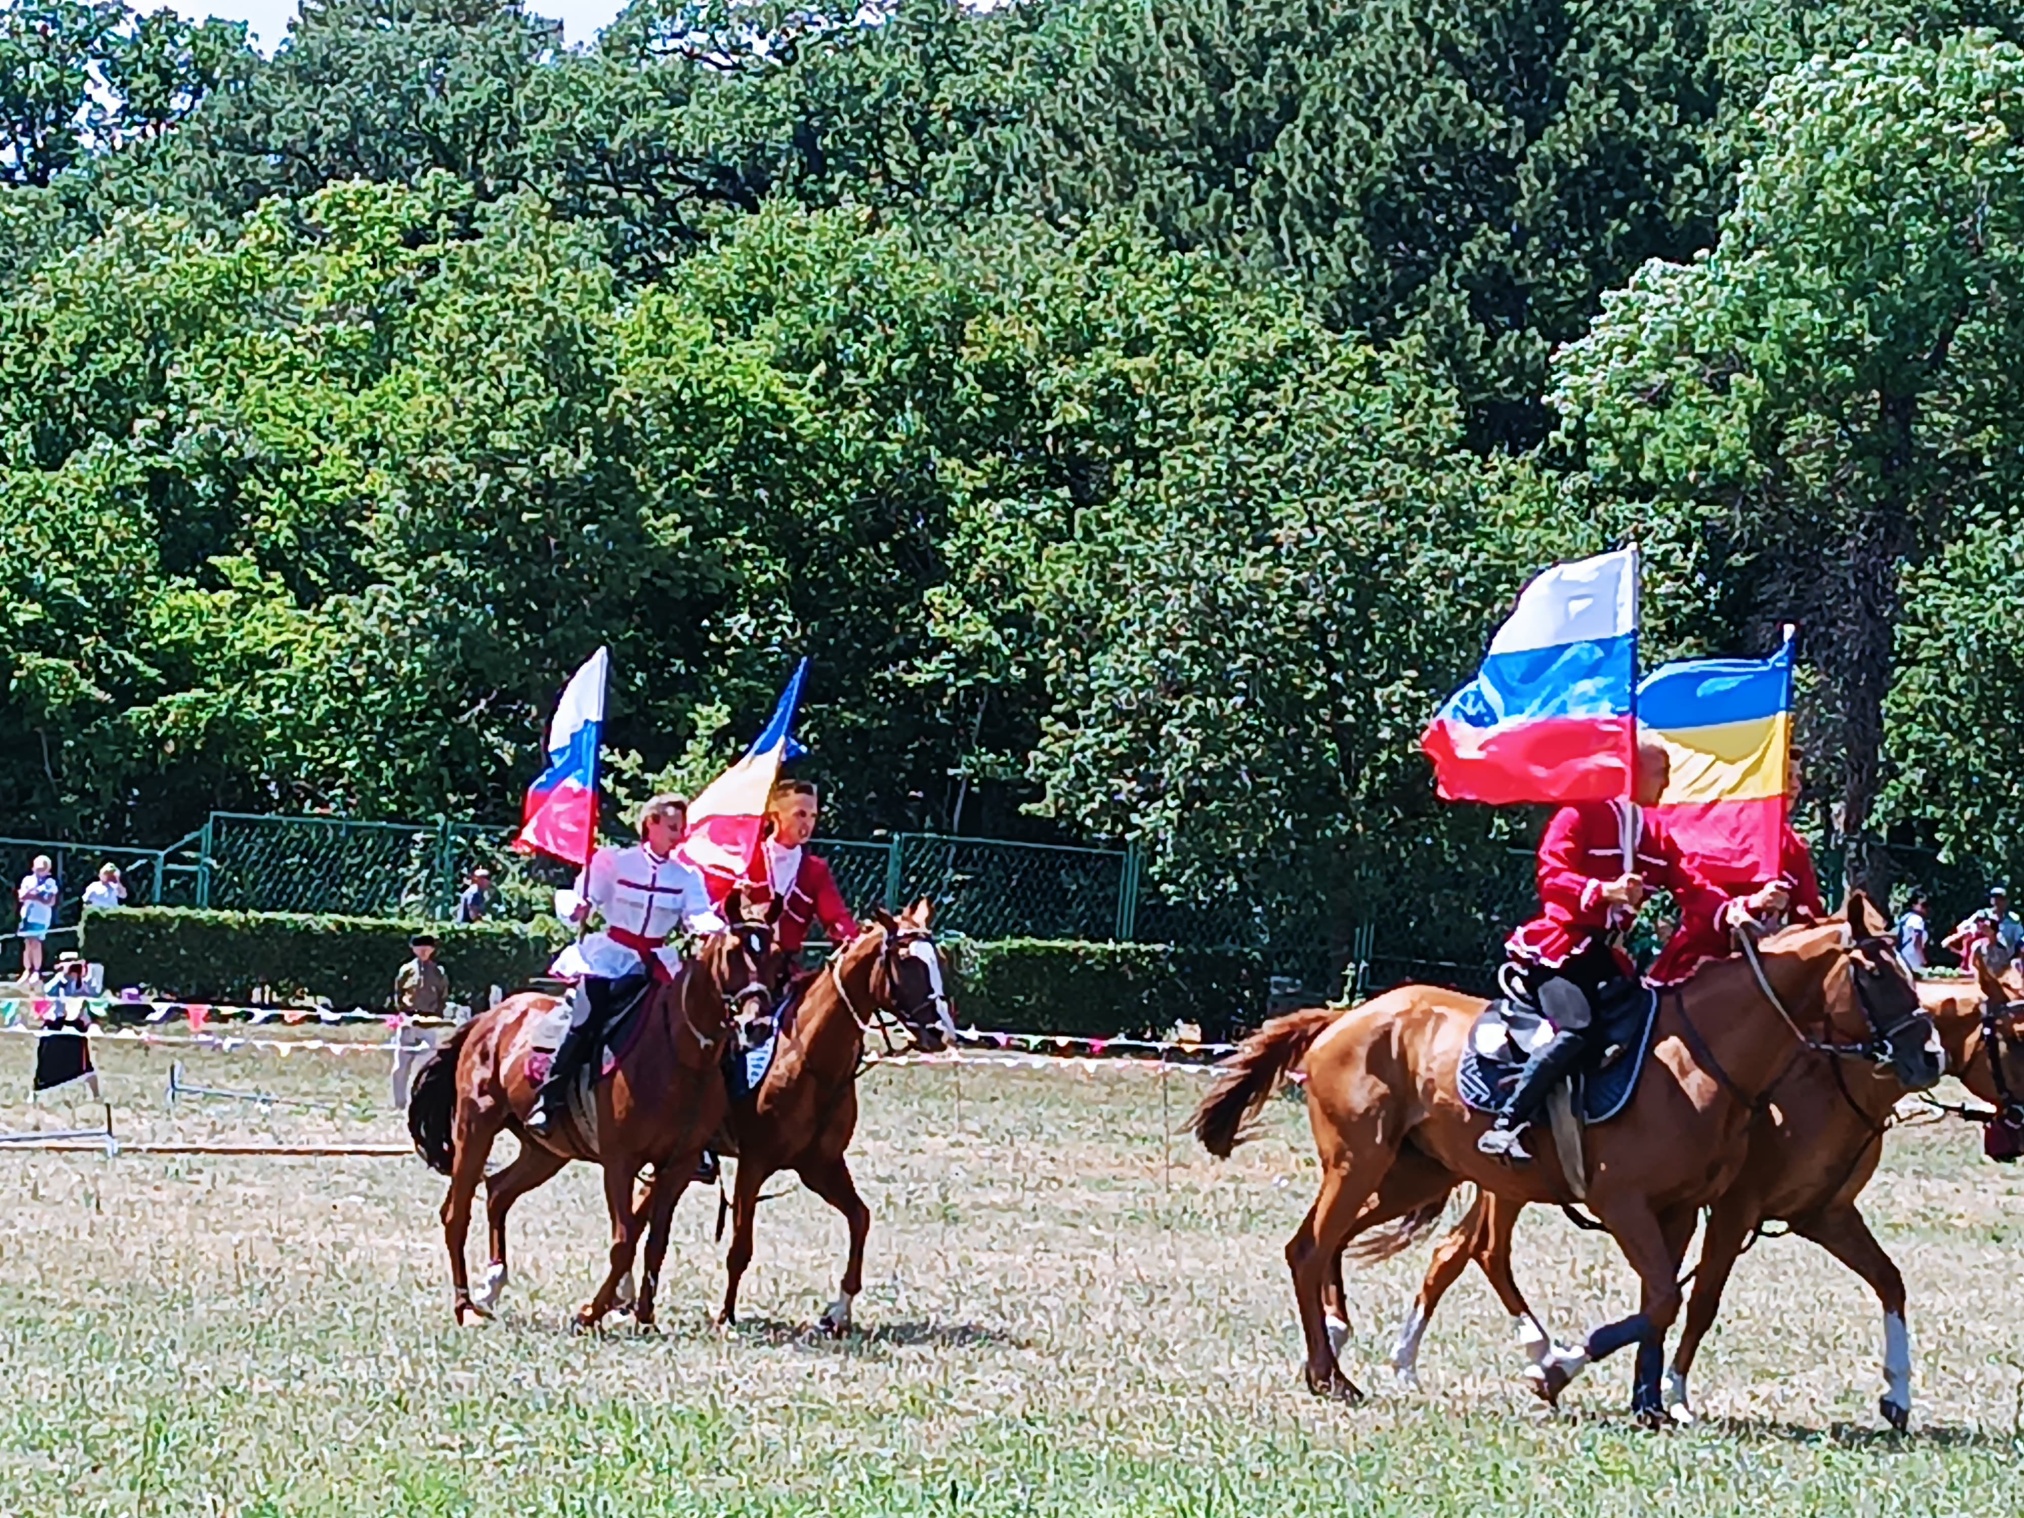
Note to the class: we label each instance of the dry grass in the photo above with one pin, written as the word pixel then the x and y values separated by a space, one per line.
pixel 1060 1317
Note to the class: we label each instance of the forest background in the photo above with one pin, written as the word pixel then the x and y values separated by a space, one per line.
pixel 1142 412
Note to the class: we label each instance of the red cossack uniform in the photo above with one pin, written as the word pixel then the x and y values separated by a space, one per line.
pixel 1580 852
pixel 1693 946
pixel 804 881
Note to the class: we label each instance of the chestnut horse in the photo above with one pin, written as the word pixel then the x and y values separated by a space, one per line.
pixel 1811 1151
pixel 659 1108
pixel 804 1112
pixel 1394 1137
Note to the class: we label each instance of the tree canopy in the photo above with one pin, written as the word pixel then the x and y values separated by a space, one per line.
pixel 1142 414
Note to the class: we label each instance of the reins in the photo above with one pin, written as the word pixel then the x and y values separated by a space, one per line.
pixel 1875 1049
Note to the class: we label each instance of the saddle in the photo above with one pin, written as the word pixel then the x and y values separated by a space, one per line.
pixel 1511 1027
pixel 623 1008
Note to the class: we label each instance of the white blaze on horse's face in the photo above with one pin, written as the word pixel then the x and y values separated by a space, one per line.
pixel 924 950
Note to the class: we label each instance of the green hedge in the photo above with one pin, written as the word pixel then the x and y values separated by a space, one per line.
pixel 1097 990
pixel 1020 985
pixel 351 961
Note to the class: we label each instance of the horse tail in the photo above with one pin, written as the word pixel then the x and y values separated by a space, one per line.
pixel 432 1100
pixel 1400 1234
pixel 1252 1074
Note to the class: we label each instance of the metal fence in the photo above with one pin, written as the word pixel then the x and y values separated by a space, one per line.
pixel 981 887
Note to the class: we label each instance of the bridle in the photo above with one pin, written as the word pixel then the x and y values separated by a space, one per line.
pixel 755 938
pixel 2009 1109
pixel 1876 1048
pixel 933 1007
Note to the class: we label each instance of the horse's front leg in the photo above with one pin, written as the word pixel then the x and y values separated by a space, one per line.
pixel 625 1234
pixel 666 1191
pixel 831 1181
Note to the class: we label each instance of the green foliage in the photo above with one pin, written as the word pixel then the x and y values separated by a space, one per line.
pixel 1103 990
pixel 347 961
pixel 1801 414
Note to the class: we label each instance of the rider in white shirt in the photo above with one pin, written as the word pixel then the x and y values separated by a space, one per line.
pixel 646 897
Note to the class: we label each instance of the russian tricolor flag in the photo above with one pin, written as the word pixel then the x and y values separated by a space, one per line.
pixel 727 822
pixel 1550 717
pixel 560 818
pixel 1727 727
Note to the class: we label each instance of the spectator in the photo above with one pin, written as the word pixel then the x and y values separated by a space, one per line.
pixel 476 902
pixel 2009 931
pixel 1912 933
pixel 63 1052
pixel 421 989
pixel 37 899
pixel 106 892
pixel 1975 941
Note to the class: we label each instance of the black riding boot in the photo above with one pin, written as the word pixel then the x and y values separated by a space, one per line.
pixel 1547 1066
pixel 551 1103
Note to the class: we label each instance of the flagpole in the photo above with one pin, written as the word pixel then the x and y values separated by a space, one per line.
pixel 1629 825
pixel 1785 759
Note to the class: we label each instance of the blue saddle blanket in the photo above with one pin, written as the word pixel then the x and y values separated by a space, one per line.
pixel 1508 1031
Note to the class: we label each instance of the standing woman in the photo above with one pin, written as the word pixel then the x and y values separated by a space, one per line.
pixel 37 898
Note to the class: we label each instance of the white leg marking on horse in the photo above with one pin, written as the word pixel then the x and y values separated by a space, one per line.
pixel 1897 1361
pixel 492 1285
pixel 1676 1396
pixel 627 1293
pixel 1533 1338
pixel 837 1319
pixel 1405 1355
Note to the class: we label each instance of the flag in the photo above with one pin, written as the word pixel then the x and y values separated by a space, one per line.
pixel 1549 717
pixel 726 821
pixel 561 813
pixel 1727 727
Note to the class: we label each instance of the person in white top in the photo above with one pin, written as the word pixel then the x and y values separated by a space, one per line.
pixel 646 897
pixel 37 899
pixel 106 892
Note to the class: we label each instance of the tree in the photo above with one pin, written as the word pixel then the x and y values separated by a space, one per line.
pixel 1808 410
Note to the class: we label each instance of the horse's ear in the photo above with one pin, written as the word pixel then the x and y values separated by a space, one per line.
pixel 922 912
pixel 1858 910
pixel 885 920
pixel 734 904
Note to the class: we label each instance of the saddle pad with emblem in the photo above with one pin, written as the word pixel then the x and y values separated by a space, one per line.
pixel 1506 1032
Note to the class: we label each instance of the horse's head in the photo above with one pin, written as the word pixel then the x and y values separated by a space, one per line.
pixel 2001 1013
pixel 911 977
pixel 737 960
pixel 1900 1027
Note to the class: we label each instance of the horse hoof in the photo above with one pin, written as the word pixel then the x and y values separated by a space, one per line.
pixel 830 1328
pixel 1899 1418
pixel 586 1320
pixel 470 1314
pixel 1405 1378
pixel 1650 1416
pixel 1681 1414
pixel 1547 1382
pixel 1335 1386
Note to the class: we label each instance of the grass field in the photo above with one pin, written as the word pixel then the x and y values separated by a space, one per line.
pixel 1063 1314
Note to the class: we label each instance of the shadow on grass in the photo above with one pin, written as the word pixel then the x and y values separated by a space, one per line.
pixel 878 1336
pixel 1863 1436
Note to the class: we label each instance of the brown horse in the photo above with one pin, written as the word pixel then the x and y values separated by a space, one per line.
pixel 1811 1151
pixel 804 1112
pixel 1395 1138
pixel 659 1108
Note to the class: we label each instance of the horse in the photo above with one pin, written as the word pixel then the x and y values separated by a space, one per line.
pixel 1394 1137
pixel 1813 1146
pixel 804 1112
pixel 659 1108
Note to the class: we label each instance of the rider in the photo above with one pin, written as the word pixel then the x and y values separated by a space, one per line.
pixel 646 896
pixel 796 877
pixel 1707 939
pixel 1588 900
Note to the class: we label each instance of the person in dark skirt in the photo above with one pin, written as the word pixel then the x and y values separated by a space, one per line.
pixel 63 1052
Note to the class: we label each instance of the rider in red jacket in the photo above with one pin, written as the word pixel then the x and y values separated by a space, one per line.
pixel 1698 941
pixel 798 877
pixel 1588 900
